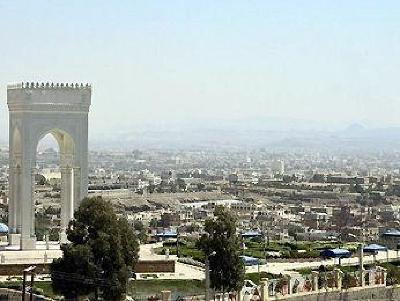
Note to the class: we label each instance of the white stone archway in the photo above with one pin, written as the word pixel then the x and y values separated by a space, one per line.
pixel 34 111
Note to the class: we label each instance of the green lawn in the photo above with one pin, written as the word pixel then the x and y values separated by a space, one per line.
pixel 256 248
pixel 177 287
pixel 256 277
pixel 187 250
pixel 139 288
pixel 44 286
pixel 292 249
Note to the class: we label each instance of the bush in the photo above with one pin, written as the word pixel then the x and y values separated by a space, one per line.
pixel 16 285
pixel 256 277
pixel 393 274
pixel 257 239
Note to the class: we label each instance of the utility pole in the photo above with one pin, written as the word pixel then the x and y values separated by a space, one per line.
pixel 27 271
pixel 264 242
pixel 207 270
pixel 207 274
pixel 177 242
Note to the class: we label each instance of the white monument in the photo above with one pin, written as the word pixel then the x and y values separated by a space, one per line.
pixel 36 110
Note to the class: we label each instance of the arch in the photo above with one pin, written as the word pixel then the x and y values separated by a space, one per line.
pixel 66 144
pixel 33 113
pixel 68 168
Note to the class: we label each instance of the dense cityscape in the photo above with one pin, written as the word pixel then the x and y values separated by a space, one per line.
pixel 290 205
pixel 292 196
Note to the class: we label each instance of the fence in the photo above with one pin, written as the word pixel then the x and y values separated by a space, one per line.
pixel 286 286
pixel 317 282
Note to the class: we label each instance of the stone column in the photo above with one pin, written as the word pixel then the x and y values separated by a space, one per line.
pixel 290 285
pixel 361 256
pixel 17 197
pixel 378 276
pixel 28 241
pixel 371 278
pixel 338 274
pixel 14 219
pixel 384 276
pixel 47 238
pixel 362 277
pixel 166 295
pixel 77 188
pixel 67 195
pixel 314 276
pixel 14 181
pixel 264 289
pixel 12 214
pixel 33 204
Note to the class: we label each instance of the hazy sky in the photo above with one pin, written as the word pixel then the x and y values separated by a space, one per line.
pixel 331 61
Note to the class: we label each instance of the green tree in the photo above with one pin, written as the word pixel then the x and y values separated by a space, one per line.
pixel 151 188
pixel 226 267
pixel 138 225
pixel 141 231
pixel 54 234
pixel 201 187
pixel 153 223
pixel 100 255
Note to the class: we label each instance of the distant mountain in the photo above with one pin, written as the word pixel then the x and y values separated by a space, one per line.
pixel 237 136
pixel 355 128
pixel 270 133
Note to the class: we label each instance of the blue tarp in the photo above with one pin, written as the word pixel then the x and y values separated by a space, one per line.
pixel 374 248
pixel 167 234
pixel 391 232
pixel 250 234
pixel 3 228
pixel 247 260
pixel 335 253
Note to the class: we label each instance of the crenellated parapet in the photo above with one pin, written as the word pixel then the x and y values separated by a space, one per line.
pixel 49 96
pixel 48 85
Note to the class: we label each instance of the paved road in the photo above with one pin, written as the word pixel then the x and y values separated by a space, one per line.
pixel 286 267
pixel 184 271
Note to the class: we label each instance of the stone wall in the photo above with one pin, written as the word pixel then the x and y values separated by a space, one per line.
pixel 143 266
pixel 13 295
pixel 378 293
pixel 155 266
